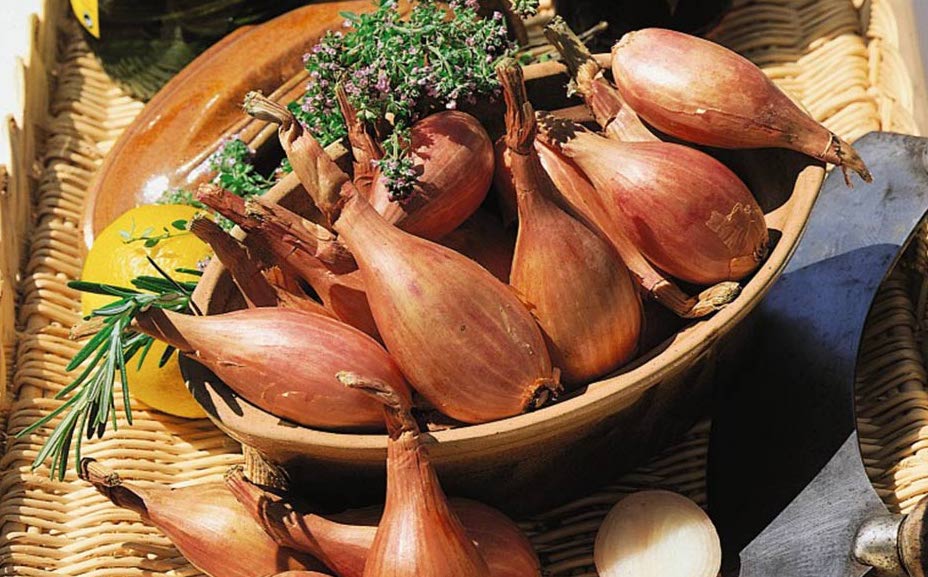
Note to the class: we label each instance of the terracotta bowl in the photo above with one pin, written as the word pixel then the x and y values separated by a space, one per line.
pixel 539 459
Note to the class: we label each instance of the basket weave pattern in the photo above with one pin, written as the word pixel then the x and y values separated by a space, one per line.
pixel 841 64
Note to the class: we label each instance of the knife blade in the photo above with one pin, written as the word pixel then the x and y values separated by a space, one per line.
pixel 787 485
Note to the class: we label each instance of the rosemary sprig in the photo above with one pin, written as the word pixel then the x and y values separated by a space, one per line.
pixel 93 403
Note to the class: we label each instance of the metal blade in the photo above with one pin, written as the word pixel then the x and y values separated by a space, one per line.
pixel 787 486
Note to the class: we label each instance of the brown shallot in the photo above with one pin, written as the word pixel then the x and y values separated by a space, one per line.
pixel 453 159
pixel 284 361
pixel 418 535
pixel 576 285
pixel 205 522
pixel 702 92
pixel 688 213
pixel 343 541
pixel 462 338
pixel 587 203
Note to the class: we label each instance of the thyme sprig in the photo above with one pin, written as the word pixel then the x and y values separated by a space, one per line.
pixel 397 70
pixel 93 405
pixel 233 163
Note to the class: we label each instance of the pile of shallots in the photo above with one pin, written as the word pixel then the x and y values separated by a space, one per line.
pixel 431 303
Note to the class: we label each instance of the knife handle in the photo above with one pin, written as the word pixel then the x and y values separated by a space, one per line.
pixel 913 540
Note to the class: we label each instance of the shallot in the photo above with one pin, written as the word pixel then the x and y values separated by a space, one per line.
pixel 687 212
pixel 578 288
pixel 284 361
pixel 702 92
pixel 453 160
pixel 419 534
pixel 343 541
pixel 462 338
pixel 588 204
pixel 205 522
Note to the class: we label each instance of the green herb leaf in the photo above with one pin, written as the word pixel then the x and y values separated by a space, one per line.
pixel 403 69
pixel 90 403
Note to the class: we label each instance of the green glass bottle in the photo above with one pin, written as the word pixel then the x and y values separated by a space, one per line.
pixel 141 44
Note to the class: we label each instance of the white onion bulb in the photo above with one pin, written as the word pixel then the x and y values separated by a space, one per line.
pixel 657 534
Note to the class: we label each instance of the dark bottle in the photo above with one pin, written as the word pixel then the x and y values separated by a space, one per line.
pixel 141 44
pixel 692 16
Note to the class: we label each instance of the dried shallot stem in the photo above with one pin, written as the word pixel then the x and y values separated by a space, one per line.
pixel 610 110
pixel 397 408
pixel 342 294
pixel 287 250
pixel 318 173
pixel 279 226
pixel 314 239
pixel 365 149
pixel 246 274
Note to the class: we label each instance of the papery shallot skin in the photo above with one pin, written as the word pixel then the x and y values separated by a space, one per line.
pixel 686 212
pixel 462 338
pixel 453 159
pixel 702 92
pixel 285 361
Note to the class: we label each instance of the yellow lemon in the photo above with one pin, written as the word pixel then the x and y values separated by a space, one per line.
pixel 113 260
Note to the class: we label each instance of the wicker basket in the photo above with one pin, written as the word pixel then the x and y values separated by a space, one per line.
pixel 842 62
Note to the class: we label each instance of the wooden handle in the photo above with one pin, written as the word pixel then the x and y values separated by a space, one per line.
pixel 913 540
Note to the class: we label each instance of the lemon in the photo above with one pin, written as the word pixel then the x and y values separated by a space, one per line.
pixel 112 260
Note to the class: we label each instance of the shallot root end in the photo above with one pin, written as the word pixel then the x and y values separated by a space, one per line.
pixel 709 301
pixel 544 391
pixel 714 299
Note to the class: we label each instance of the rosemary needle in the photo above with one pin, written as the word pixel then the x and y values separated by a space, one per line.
pixel 92 406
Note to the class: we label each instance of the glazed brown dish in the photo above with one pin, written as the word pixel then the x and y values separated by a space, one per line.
pixel 169 143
